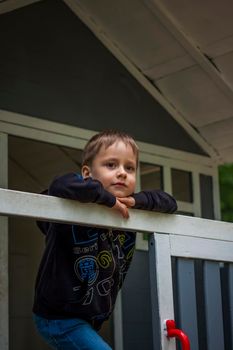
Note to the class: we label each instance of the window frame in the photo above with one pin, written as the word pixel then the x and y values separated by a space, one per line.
pixel 187 162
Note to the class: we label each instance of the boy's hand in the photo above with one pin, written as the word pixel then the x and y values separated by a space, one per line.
pixel 122 208
pixel 128 201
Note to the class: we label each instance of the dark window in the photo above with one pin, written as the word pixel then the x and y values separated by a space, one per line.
pixel 182 185
pixel 151 176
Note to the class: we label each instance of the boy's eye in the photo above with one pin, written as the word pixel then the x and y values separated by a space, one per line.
pixel 130 168
pixel 111 165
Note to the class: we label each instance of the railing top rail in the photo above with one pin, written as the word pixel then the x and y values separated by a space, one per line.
pixel 48 208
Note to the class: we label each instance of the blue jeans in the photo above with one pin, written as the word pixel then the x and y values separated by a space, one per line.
pixel 70 334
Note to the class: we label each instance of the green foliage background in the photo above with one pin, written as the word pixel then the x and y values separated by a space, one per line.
pixel 226 191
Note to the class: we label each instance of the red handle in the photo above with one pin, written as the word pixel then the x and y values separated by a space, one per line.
pixel 172 332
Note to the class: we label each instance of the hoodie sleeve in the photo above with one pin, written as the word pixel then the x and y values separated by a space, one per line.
pixel 155 200
pixel 73 186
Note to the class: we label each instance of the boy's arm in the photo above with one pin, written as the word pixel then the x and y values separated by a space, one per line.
pixel 73 186
pixel 155 200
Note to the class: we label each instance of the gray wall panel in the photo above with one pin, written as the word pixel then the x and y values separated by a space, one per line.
pixel 230 277
pixel 187 300
pixel 53 67
pixel 213 301
pixel 136 302
pixel 226 273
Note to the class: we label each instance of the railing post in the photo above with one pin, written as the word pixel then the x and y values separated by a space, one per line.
pixel 4 279
pixel 161 289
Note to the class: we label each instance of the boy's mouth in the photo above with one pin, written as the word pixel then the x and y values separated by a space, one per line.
pixel 119 184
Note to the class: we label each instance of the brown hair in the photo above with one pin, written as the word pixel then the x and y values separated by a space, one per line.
pixel 106 138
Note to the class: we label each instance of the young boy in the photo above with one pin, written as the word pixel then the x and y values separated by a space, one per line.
pixel 83 268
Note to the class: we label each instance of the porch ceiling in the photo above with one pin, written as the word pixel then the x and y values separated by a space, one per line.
pixel 181 51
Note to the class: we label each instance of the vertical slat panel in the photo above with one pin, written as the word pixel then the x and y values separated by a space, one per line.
pixel 225 273
pixel 213 303
pixel 118 324
pixel 4 282
pixel 187 300
pixel 136 305
pixel 200 297
pixel 231 300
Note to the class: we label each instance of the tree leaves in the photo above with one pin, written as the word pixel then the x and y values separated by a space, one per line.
pixel 226 191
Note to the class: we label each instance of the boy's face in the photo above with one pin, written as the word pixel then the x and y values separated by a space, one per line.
pixel 115 167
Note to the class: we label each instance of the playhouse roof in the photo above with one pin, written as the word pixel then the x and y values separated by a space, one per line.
pixel 180 51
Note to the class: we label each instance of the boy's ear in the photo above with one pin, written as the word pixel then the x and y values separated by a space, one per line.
pixel 86 171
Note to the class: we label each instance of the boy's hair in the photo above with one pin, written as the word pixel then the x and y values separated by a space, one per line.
pixel 106 138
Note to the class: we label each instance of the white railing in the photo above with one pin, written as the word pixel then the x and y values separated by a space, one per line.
pixel 17 203
pixel 183 232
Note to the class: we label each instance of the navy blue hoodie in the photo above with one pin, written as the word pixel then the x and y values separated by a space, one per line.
pixel 83 268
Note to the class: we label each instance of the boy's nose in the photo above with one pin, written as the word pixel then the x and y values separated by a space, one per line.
pixel 121 171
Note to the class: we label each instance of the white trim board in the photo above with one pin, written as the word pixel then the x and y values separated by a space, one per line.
pixel 176 163
pixel 72 136
pixel 173 153
pixel 14 120
pixel 190 247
